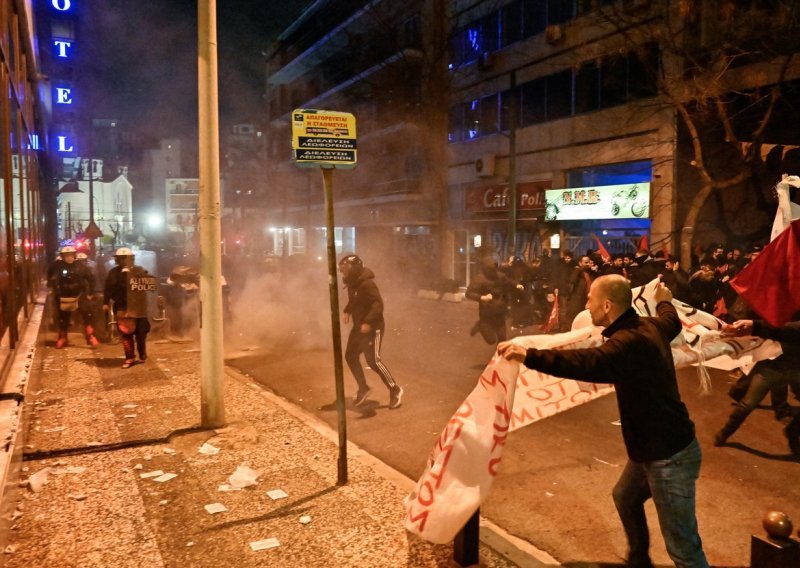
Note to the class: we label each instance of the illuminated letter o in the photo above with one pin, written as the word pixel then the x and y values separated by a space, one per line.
pixel 62 5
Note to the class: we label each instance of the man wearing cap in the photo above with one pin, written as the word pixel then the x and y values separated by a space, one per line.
pixel 365 309
pixel 118 294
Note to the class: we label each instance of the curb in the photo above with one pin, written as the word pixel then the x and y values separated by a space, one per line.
pixel 514 549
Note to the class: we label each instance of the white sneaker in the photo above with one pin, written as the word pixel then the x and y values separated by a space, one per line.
pixel 396 398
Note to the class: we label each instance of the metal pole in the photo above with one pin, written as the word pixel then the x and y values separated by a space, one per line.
pixel 512 166
pixel 212 409
pixel 466 545
pixel 327 181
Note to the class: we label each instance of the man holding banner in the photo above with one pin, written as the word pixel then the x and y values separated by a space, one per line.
pixel 664 455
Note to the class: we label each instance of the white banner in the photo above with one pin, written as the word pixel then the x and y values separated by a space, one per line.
pixel 462 466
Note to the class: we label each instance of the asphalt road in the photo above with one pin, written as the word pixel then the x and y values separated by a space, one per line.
pixel 554 487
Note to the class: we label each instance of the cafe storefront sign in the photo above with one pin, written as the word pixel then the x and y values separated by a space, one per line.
pixel 627 201
pixel 497 198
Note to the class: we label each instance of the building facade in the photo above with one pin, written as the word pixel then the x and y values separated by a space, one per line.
pixel 565 123
pixel 24 198
pixel 368 59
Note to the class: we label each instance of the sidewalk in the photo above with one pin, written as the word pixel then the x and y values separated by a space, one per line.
pixel 94 430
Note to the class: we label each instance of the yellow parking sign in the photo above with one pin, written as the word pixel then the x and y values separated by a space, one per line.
pixel 323 137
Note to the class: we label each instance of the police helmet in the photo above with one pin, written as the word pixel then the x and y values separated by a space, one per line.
pixel 81 256
pixel 124 251
pixel 353 260
pixel 68 249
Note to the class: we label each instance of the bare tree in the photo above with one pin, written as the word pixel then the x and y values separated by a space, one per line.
pixel 726 68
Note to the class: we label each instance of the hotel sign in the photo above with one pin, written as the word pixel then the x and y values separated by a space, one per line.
pixel 530 196
pixel 628 201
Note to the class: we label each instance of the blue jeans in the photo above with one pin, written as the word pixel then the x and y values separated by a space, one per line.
pixel 670 482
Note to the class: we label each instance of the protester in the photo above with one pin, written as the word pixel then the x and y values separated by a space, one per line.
pixel 664 455
pixel 124 295
pixel 520 278
pixel 491 289
pixel 766 375
pixel 578 289
pixel 365 308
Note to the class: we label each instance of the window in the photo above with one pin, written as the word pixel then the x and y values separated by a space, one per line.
pixel 587 88
pixel 472 118
pixel 511 24
pixel 559 11
pixel 490 32
pixel 613 79
pixel 505 109
pixel 489 115
pixel 559 95
pixel 533 100
pixel 534 17
pixel 644 66
pixel 612 174
pixel 456 124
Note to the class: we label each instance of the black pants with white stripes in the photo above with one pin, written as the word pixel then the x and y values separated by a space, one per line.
pixel 370 345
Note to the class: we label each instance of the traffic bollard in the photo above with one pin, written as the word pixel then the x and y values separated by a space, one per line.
pixel 467 541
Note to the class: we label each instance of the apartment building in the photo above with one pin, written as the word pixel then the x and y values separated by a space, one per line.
pixel 564 120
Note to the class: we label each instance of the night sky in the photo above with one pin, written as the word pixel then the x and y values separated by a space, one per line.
pixel 142 64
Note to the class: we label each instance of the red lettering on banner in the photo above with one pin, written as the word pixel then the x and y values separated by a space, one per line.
pixel 493 463
pixel 425 501
pixel 581 396
pixel 465 410
pixel 494 380
pixel 502 428
pixel 523 416
pixel 532 393
pixel 422 517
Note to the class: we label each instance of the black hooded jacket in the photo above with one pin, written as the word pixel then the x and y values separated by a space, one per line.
pixel 637 359
pixel 364 302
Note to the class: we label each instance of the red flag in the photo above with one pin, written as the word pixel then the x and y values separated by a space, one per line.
pixel 771 283
pixel 601 249
pixel 643 246
pixel 552 321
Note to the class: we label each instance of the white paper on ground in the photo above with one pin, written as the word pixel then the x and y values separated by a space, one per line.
pixel 214 508
pixel 208 449
pixel 38 479
pixel 149 474
pixel 264 544
pixel 165 477
pixel 276 494
pixel 243 477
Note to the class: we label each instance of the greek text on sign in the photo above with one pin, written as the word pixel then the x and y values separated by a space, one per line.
pixel 143 284
pixel 324 137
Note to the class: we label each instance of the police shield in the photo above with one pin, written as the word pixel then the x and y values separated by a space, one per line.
pixel 141 287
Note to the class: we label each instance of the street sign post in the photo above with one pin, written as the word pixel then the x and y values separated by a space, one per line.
pixel 324 138
pixel 328 139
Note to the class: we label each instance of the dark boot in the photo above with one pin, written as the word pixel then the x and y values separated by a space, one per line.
pixel 91 340
pixel 792 433
pixel 734 421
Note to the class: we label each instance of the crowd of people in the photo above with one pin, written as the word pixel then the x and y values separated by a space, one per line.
pixel 546 294
pixel 525 292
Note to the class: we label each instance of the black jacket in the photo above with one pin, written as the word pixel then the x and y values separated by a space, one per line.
pixel 637 359
pixel 789 338
pixel 70 280
pixel 490 281
pixel 364 302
